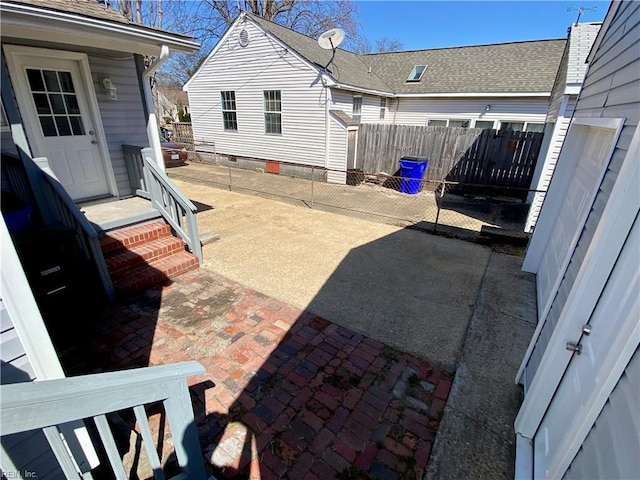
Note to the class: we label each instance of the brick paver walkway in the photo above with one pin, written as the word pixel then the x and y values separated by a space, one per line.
pixel 286 394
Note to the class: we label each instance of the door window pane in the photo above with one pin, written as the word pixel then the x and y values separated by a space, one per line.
pixel 48 127
pixel 65 82
pixel 65 107
pixel 437 123
pixel 57 104
pixel 72 104
pixel 76 125
pixel 64 129
pixel 42 104
pixel 35 80
pixel 515 126
pixel 51 80
pixel 535 127
pixel 459 123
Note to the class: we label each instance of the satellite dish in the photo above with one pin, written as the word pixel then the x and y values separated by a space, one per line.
pixel 330 39
pixel 243 38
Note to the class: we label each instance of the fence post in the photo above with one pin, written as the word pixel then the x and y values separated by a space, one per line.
pixel 313 169
pixel 230 179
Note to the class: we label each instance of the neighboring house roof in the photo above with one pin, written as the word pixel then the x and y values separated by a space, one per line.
pixel 519 67
pixel 523 67
pixel 86 22
pixel 347 68
pixel 581 38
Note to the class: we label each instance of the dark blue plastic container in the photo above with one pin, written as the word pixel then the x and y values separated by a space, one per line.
pixel 412 170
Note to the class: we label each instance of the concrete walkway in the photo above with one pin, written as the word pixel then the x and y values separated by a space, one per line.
pixel 408 289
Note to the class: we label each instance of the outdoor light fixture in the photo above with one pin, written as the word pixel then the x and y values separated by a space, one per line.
pixel 107 86
pixel 487 108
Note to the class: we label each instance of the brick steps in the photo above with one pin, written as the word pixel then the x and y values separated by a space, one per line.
pixel 144 255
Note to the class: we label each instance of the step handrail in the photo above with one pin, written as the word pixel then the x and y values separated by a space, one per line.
pixel 49 403
pixel 166 197
pixel 69 214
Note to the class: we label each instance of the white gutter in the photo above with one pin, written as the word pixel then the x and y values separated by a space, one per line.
pixel 152 122
pixel 476 95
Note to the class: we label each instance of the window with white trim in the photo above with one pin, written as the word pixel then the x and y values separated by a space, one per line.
pixel 416 73
pixel 437 123
pixel 534 127
pixel 484 124
pixel 272 112
pixel 515 126
pixel 357 108
pixel 383 108
pixel 229 113
pixel 459 123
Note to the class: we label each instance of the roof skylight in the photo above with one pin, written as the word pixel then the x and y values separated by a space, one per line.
pixel 416 73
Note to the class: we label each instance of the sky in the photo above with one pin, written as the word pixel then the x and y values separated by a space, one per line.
pixel 435 24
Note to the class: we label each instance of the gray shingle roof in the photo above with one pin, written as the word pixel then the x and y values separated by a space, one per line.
pixel 506 67
pixel 347 67
pixel 529 67
pixel 87 8
pixel 348 120
pixel 91 9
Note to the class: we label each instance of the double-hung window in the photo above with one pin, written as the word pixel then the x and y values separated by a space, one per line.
pixel 229 113
pixel 383 108
pixel 357 108
pixel 272 112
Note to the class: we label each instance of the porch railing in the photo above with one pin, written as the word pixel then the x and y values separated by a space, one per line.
pixel 49 403
pixel 65 211
pixel 148 181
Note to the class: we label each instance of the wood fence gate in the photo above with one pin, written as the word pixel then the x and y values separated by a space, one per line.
pixel 465 155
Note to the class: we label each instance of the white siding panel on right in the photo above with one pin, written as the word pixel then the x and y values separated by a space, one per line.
pixel 337 164
pixel 611 447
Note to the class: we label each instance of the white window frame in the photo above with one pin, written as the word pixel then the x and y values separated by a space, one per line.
pixel 229 110
pixel 412 76
pixel 357 101
pixel 265 101
pixel 459 120
pixel 446 122
pixel 493 123
pixel 4 122
pixel 383 108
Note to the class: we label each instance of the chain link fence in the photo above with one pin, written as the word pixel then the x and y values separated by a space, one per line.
pixel 448 208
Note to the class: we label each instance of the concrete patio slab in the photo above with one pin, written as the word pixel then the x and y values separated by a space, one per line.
pixel 413 291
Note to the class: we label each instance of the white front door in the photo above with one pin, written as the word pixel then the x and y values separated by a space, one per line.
pixel 612 325
pixel 55 106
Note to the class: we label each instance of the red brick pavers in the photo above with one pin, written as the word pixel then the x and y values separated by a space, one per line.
pixel 286 394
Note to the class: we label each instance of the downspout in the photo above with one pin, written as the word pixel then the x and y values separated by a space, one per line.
pixel 152 122
pixel 327 122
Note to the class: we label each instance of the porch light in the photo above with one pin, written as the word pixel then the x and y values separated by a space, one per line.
pixel 487 108
pixel 107 87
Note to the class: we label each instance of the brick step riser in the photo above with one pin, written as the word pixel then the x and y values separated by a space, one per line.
pixel 115 245
pixel 150 275
pixel 123 266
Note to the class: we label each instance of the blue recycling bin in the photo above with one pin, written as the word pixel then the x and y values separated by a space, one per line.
pixel 412 169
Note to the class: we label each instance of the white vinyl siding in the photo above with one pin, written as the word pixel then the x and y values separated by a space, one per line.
pixel 337 152
pixel 610 91
pixel 547 165
pixel 417 111
pixel 264 65
pixel 123 119
pixel 611 447
pixel 581 39
pixel 370 109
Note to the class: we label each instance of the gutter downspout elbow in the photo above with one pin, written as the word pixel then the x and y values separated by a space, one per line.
pixel 152 122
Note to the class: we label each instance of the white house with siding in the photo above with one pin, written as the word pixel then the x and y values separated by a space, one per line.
pixel 580 417
pixel 563 101
pixel 264 91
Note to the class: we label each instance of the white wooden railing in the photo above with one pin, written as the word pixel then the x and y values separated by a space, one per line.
pixel 49 403
pixel 177 210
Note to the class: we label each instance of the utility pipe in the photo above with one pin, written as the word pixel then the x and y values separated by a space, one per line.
pixel 152 122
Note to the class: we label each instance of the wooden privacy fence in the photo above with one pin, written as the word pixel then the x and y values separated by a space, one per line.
pixel 182 132
pixel 465 155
